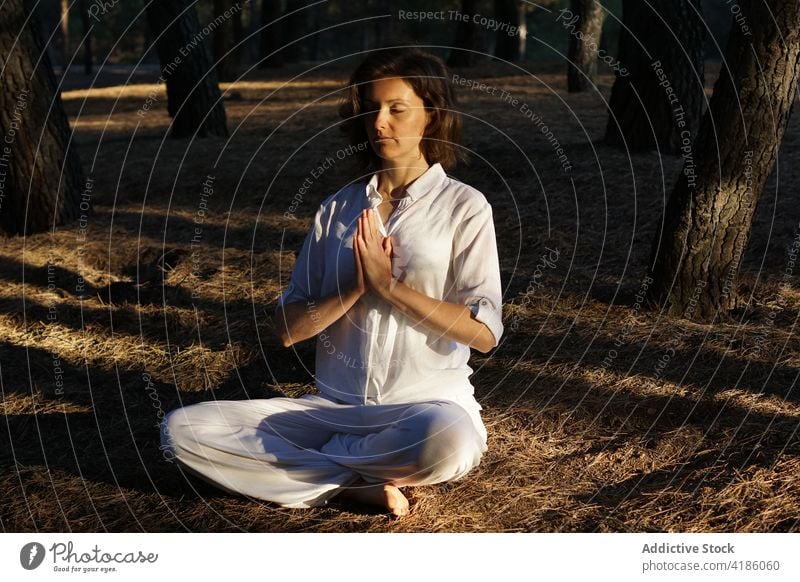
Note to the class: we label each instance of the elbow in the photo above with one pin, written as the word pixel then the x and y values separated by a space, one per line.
pixel 282 337
pixel 281 329
pixel 484 339
pixel 485 343
pixel 285 338
pixel 484 348
pixel 281 333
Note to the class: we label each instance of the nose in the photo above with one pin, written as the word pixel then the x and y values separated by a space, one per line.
pixel 380 119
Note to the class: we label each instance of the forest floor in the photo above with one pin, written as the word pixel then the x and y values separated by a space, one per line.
pixel 601 416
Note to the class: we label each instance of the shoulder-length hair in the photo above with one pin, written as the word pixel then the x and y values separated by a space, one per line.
pixel 428 76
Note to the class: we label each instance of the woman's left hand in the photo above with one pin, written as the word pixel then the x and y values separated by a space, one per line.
pixel 375 251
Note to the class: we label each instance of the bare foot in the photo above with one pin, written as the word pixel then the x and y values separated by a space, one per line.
pixel 382 494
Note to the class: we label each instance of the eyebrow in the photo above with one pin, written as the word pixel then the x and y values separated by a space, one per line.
pixel 370 101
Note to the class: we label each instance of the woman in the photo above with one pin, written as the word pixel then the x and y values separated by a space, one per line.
pixel 397 278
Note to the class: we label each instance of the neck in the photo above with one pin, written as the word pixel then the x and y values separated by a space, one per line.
pixel 394 177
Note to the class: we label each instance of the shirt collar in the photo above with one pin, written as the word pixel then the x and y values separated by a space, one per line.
pixel 430 180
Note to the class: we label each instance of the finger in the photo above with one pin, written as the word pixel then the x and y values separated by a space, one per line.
pixel 357 257
pixel 362 227
pixel 373 226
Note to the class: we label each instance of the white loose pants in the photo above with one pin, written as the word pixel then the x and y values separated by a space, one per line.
pixel 300 452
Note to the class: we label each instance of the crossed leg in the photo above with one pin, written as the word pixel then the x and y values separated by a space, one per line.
pixel 301 452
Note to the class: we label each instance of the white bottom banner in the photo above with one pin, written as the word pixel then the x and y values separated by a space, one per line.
pixel 415 557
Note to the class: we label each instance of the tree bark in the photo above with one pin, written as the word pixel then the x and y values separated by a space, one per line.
pixel 88 58
pixel 193 96
pixel 238 38
pixel 661 50
pixel 585 27
pixel 708 218
pixel 295 26
pixel 63 24
pixel 385 28
pixel 522 41
pixel 270 54
pixel 313 42
pixel 222 42
pixel 41 178
pixel 466 41
pixel 507 47
pixel 253 24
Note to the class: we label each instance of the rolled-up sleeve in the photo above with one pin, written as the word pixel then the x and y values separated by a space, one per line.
pixel 476 270
pixel 306 280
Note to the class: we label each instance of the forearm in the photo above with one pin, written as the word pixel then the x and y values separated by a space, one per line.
pixel 300 320
pixel 451 320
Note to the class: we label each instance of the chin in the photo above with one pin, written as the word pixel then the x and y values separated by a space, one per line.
pixel 379 152
pixel 385 153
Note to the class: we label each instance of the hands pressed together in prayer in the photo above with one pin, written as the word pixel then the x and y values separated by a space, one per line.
pixel 373 256
pixel 373 265
pixel 373 261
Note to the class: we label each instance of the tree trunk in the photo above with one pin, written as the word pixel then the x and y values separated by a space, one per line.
pixel 466 41
pixel 656 90
pixel 313 42
pixel 585 27
pixel 253 24
pixel 507 46
pixel 41 178
pixel 222 41
pixel 385 28
pixel 238 38
pixel 193 96
pixel 295 26
pixel 87 42
pixel 270 54
pixel 63 24
pixel 708 218
pixel 523 30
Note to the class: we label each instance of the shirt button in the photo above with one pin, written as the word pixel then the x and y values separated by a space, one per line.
pixel 484 302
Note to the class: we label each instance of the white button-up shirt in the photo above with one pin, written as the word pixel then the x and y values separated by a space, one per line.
pixel 444 245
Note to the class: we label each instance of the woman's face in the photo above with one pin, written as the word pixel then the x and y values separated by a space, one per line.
pixel 395 120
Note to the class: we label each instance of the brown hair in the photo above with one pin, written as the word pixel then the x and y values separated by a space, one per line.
pixel 428 76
